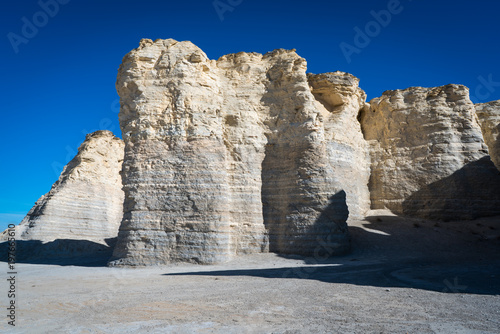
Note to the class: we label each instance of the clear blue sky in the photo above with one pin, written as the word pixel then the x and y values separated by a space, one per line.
pixel 59 85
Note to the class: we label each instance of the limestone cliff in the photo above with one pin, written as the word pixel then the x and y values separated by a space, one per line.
pixel 248 153
pixel 489 118
pixel 232 156
pixel 83 209
pixel 428 155
pixel 347 150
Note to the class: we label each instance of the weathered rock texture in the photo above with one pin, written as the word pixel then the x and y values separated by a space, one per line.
pixel 347 150
pixel 489 118
pixel 249 154
pixel 428 155
pixel 84 208
pixel 234 156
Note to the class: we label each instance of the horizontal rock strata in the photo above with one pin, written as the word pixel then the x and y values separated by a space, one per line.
pixel 229 156
pixel 347 150
pixel 489 118
pixel 428 155
pixel 248 154
pixel 83 210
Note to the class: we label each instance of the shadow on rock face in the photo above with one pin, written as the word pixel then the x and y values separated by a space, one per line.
pixel 469 193
pixel 64 252
pixel 396 252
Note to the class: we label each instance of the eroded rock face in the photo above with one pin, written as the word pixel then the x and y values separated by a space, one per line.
pixel 249 154
pixel 347 150
pixel 428 155
pixel 83 210
pixel 226 157
pixel 489 118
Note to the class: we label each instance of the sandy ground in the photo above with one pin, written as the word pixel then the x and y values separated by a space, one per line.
pixel 403 276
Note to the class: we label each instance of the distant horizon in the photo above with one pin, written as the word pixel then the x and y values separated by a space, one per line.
pixel 61 57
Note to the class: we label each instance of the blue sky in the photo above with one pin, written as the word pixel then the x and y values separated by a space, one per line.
pixel 59 78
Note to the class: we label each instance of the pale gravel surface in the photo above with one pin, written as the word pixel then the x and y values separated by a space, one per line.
pixel 403 276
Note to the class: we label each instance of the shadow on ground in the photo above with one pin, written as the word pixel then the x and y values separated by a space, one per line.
pixel 63 252
pixel 387 251
pixel 391 252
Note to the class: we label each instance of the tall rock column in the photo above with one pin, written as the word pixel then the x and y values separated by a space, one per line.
pixel 428 155
pixel 341 101
pixel 241 85
pixel 222 157
pixel 175 179
pixel 304 206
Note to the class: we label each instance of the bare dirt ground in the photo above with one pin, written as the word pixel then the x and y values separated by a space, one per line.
pixel 402 276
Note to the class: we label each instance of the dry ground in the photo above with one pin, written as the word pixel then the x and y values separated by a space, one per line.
pixel 403 276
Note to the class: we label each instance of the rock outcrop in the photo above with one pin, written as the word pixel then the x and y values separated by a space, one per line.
pixel 428 156
pixel 489 118
pixel 347 150
pixel 234 156
pixel 248 154
pixel 81 214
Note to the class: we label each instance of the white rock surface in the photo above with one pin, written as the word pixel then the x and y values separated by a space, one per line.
pixel 225 157
pixel 347 150
pixel 83 210
pixel 428 155
pixel 248 154
pixel 489 118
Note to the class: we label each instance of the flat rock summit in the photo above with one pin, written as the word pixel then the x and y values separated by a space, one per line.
pixel 250 153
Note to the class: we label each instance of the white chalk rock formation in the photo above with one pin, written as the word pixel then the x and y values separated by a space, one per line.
pixel 229 156
pixel 489 118
pixel 428 155
pixel 347 150
pixel 84 208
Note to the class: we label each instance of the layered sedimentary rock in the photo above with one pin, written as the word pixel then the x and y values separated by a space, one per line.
pixel 428 155
pixel 489 118
pixel 347 150
pixel 233 156
pixel 84 208
pixel 249 154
